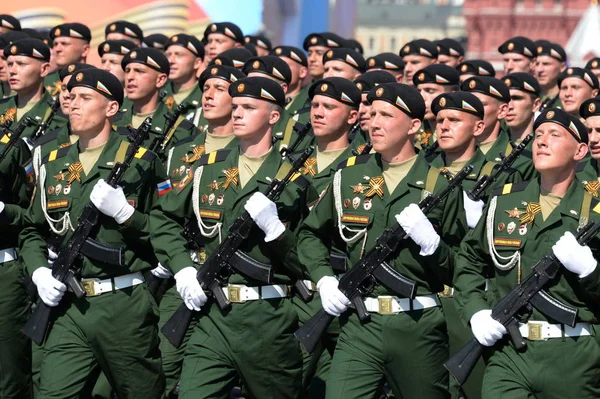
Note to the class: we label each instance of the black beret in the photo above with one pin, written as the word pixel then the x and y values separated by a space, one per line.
pixel 73 69
pixel 126 28
pixel 459 101
pixel 293 53
pixel 259 40
pixel 594 63
pixel 590 107
pixel 223 72
pixel 581 73
pixel 389 61
pixel 190 42
pixel 520 45
pixel 235 57
pixel 150 57
pixel 340 89
pixel 120 47
pixel 370 79
pixel 33 48
pixel 437 73
pixel 524 82
pixel 259 88
pixel 355 45
pixel 346 55
pixel 449 47
pixel 9 22
pixel 326 39
pixel 156 40
pixel 12 36
pixel 228 29
pixel 74 29
pixel 101 81
pixel 251 48
pixel 33 34
pixel 562 118
pixel 487 85
pixel 544 47
pixel 269 65
pixel 422 47
pixel 476 67
pixel 404 97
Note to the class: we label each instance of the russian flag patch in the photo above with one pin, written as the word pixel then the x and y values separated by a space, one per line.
pixel 164 187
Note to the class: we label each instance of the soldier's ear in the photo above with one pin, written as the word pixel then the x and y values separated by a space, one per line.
pixel 86 50
pixel 415 125
pixel 352 117
pixel 302 72
pixel 479 127
pixel 112 107
pixel 502 111
pixel 537 103
pixel 45 69
pixel 582 150
pixel 161 80
pixel 594 92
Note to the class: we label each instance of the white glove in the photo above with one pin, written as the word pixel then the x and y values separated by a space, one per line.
pixel 1 206
pixel 332 300
pixel 51 256
pixel 49 289
pixel 576 258
pixel 264 213
pixel 111 201
pixel 486 329
pixel 473 209
pixel 419 229
pixel 189 288
pixel 161 272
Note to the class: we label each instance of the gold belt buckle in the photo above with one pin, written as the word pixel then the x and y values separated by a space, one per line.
pixel 534 331
pixel 385 306
pixel 234 294
pixel 88 287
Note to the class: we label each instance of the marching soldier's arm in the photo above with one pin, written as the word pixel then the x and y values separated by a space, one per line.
pixel 32 243
pixel 17 166
pixel 591 282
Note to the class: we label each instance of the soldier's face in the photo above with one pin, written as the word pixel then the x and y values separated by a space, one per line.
pixel 90 110
pixel 25 73
pixel 216 44
pixel 521 108
pixel 64 96
pixel 142 82
pixel 364 113
pixel 547 70
pixel 573 92
pixel 3 69
pixel 429 91
pixel 391 129
pixel 449 60
pixel 183 64
pixel 339 69
pixel 330 117
pixel 414 63
pixel 456 130
pixel 112 64
pixel 555 150
pixel 67 50
pixel 315 61
pixel 493 110
pixel 216 102
pixel 252 118
pixel 122 36
pixel 514 62
pixel 593 125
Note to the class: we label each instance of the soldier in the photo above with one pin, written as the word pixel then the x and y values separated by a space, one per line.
pixel 365 83
pixel 550 63
pixel 472 68
pixel 523 223
pixel 111 54
pixel 594 66
pixel 146 72
pixel 5 40
pixel 390 62
pixel 343 63
pixel 387 184
pixel 261 42
pixel 355 45
pixel 450 52
pixel 235 57
pixel 124 30
pixel 271 67
pixel 70 43
pixel 226 183
pixel 417 55
pixel 118 305
pixel 219 37
pixel 316 45
pixel 518 55
pixel 157 41
pixel 8 23
pixel 296 96
pixel 576 86
pixel 587 170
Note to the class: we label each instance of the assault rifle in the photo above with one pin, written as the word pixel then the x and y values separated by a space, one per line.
pixel 159 143
pixel 14 136
pixel 54 105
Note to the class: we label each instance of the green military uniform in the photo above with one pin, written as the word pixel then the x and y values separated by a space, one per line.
pixel 550 102
pixel 86 330
pixel 8 110
pixel 297 111
pixel 407 348
pixel 510 238
pixel 16 176
pixel 524 163
pixel 224 344
pixel 587 174
pixel 300 101
pixel 425 137
pixel 52 83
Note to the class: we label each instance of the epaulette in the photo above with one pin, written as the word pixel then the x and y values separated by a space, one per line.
pixel 300 180
pixel 213 157
pixel 48 137
pixel 595 205
pixel 145 154
pixel 510 188
pixel 119 115
pixel 187 125
pixel 186 140
pixel 56 154
pixel 355 160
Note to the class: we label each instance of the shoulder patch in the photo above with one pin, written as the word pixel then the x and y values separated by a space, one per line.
pixel 300 180
pixel 595 205
pixel 355 160
pixel 56 154
pixel 119 115
pixel 213 157
pixel 510 188
pixel 187 125
pixel 188 139
pixel 145 154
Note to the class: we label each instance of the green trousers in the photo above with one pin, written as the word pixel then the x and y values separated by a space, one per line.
pixel 252 340
pixel 116 333
pixel 407 349
pixel 15 348
pixel 554 369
